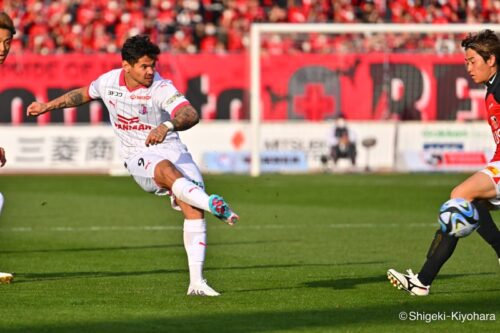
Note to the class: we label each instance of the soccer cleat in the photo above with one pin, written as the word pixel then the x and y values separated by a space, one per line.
pixel 221 210
pixel 408 282
pixel 6 278
pixel 201 289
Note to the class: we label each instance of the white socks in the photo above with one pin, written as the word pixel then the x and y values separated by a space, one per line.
pixel 195 243
pixel 191 194
pixel 1 202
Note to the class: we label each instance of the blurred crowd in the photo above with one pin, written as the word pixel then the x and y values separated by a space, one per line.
pixel 223 26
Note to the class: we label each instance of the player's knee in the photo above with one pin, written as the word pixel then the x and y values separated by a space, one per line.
pixel 458 192
pixel 166 173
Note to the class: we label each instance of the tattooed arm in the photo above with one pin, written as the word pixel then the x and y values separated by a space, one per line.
pixel 185 118
pixel 73 98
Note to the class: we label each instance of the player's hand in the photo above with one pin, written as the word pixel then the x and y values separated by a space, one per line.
pixel 2 157
pixel 157 135
pixel 36 109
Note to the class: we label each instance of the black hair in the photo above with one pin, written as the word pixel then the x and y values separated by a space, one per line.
pixel 137 47
pixel 486 43
pixel 6 23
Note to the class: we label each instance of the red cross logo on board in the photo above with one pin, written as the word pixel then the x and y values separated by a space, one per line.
pixel 314 104
pixel 237 140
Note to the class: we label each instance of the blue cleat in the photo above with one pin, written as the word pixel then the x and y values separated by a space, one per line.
pixel 221 210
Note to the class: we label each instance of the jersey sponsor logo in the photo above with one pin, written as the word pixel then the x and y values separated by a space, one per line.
pixel 131 124
pixel 125 120
pixel 146 98
pixel 173 98
pixel 114 93
pixel 133 127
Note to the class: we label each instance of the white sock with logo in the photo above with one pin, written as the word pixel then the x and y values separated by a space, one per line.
pixel 195 243
pixel 1 202
pixel 191 194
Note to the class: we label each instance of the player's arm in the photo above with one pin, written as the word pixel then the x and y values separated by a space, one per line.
pixel 185 118
pixel 73 98
pixel 2 157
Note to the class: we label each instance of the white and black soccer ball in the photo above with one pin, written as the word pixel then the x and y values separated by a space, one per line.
pixel 458 217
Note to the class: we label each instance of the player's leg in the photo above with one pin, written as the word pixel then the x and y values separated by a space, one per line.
pixel 352 153
pixel 195 244
pixel 195 233
pixel 488 230
pixel 478 186
pixel 4 277
pixel 142 167
pixel 168 176
pixel 483 185
pixel 334 152
pixel 154 172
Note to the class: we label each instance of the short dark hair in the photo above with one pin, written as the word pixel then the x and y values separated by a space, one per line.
pixel 137 47
pixel 486 43
pixel 6 23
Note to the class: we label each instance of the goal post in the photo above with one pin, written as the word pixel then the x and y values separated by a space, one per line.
pixel 259 29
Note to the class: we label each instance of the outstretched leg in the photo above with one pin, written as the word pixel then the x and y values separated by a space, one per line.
pixel 167 176
pixel 441 249
pixel 488 230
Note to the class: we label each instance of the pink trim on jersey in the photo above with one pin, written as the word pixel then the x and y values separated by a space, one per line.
pixel 124 84
pixel 172 114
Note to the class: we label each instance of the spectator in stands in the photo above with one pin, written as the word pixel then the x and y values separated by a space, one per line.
pixel 220 26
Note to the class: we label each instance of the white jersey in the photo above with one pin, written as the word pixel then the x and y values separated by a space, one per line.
pixel 134 113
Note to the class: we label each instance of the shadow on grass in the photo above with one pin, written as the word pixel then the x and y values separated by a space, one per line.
pixel 139 247
pixel 35 277
pixel 351 283
pixel 337 318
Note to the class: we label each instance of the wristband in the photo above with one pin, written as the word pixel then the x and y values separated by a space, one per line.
pixel 169 125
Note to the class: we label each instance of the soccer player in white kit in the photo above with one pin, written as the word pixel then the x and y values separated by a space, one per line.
pixel 146 111
pixel 7 32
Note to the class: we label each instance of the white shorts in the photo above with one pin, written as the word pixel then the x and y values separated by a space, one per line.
pixel 492 170
pixel 142 166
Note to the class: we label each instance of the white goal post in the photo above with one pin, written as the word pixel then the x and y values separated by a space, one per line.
pixel 258 29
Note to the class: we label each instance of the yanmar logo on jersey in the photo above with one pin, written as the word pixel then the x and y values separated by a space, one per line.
pixel 131 124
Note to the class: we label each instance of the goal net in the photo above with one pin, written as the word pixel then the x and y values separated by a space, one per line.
pixel 365 72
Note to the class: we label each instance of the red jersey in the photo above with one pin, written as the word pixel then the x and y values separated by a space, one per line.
pixel 493 108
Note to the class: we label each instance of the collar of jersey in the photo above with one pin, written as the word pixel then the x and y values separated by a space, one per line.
pixel 124 84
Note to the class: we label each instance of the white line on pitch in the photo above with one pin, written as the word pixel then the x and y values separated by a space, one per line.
pixel 256 227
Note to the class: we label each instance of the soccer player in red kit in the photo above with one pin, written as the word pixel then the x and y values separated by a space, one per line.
pixel 482 58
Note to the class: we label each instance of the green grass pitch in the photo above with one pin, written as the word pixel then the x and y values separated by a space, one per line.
pixel 310 254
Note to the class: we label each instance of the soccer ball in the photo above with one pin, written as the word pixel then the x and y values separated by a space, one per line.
pixel 458 217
